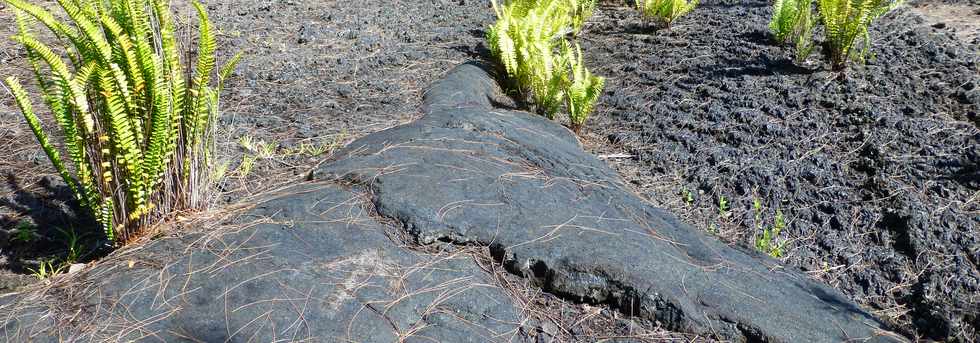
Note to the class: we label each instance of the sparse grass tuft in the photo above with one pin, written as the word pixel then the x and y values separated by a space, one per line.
pixel 47 268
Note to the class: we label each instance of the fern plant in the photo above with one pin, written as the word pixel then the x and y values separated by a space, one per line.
pixel 792 20
pixel 847 20
pixel 137 135
pixel 583 89
pixel 581 11
pixel 665 11
pixel 530 40
pixel 524 38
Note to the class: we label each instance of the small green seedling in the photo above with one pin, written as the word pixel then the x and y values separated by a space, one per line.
pixel 247 142
pixel 71 240
pixel 25 232
pixel 245 168
pixel 688 196
pixel 767 242
pixel 47 269
pixel 723 206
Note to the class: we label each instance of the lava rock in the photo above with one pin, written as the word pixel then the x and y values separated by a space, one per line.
pixel 472 174
pixel 328 260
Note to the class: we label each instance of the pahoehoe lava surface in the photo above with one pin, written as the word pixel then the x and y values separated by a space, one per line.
pixel 877 175
pixel 305 264
pixel 320 260
pixel 470 173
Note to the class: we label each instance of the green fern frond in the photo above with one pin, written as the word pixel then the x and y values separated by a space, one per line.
pixel 792 22
pixel 62 77
pixel 21 98
pixel 581 11
pixel 784 14
pixel 171 67
pixel 46 18
pixel 197 116
pixel 583 92
pixel 23 29
pixel 122 134
pixel 95 45
pixel 227 69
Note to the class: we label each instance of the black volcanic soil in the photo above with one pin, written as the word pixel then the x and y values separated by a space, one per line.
pixel 877 173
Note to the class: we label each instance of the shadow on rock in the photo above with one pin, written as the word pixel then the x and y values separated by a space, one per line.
pixel 50 216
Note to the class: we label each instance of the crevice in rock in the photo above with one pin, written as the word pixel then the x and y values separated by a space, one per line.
pixel 898 224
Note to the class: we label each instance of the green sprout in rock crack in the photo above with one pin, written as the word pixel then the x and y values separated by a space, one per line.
pixel 260 148
pixel 53 266
pixel 688 196
pixel 767 242
pixel 25 232
pixel 245 168
pixel 723 207
pixel 220 171
pixel 72 245
pixel 47 269
pixel 723 212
